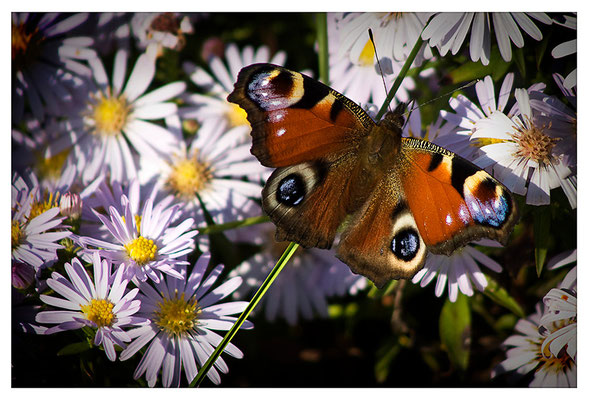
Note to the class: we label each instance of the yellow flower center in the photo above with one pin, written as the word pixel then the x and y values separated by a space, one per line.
pixel 366 57
pixel 189 176
pixel 534 144
pixel 99 312
pixel 38 208
pixel 237 116
pixel 141 250
pixel 109 114
pixel 50 167
pixel 17 234
pixel 176 315
pixel 137 222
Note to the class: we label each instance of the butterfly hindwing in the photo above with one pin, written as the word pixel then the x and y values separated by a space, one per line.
pixel 295 118
pixel 453 201
pixel 309 201
pixel 381 240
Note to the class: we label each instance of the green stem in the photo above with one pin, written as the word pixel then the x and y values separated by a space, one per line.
pixel 323 47
pixel 400 78
pixel 252 304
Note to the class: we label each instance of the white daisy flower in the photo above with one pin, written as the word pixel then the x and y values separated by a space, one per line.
pixel 213 105
pixel 567 48
pixel 103 304
pixel 212 165
pixel 394 34
pixel 303 286
pixel 144 245
pixel 45 69
pixel 525 354
pixel 468 114
pixel 183 315
pixel 526 158
pixel 164 30
pixel 562 119
pixel 447 31
pixel 362 80
pixel 116 115
pixel 36 225
pixel 561 310
pixel 460 272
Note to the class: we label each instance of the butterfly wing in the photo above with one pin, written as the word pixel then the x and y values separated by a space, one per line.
pixel 295 118
pixel 431 200
pixel 381 240
pixel 310 133
pixel 452 200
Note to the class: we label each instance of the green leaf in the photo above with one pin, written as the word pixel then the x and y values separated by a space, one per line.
pixel 455 320
pixel 541 236
pixel 384 358
pixel 469 71
pixel 75 348
pixel 500 296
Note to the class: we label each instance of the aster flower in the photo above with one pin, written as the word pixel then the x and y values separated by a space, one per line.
pixel 303 286
pixel 36 226
pixel 115 195
pixel 394 34
pixel 567 48
pixel 561 310
pixel 468 114
pixel 164 30
pixel 447 31
pixel 212 165
pixel 144 245
pixel 114 117
pixel 362 80
pixel 526 353
pixel 526 158
pixel 46 73
pixel 559 117
pixel 101 304
pixel 213 105
pixel 460 272
pixel 183 315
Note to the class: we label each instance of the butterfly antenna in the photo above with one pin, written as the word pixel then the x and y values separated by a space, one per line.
pixel 469 84
pixel 378 62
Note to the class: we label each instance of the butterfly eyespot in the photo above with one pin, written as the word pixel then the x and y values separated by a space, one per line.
pixel 291 190
pixel 405 244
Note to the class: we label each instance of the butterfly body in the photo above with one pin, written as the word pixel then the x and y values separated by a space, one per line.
pixel 394 197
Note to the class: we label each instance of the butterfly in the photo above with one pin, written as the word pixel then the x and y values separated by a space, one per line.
pixel 393 198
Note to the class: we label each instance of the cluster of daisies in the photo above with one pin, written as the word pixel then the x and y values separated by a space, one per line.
pixel 115 180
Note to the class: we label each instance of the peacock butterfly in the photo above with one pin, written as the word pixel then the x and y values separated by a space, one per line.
pixel 396 197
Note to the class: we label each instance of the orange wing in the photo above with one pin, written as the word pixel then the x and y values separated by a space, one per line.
pixel 295 118
pixel 452 200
